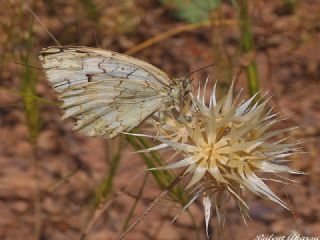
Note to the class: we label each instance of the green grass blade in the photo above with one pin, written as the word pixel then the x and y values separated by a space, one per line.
pixel 28 89
pixel 152 160
pixel 106 186
pixel 91 9
pixel 134 206
pixel 247 45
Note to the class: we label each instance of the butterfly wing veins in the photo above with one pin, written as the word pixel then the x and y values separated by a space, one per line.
pixel 104 91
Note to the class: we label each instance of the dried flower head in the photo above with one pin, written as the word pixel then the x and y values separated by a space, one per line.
pixel 226 143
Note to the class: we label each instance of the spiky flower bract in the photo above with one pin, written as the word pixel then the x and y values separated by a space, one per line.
pixel 226 143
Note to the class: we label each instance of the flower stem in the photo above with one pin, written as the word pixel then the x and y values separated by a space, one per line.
pixel 247 45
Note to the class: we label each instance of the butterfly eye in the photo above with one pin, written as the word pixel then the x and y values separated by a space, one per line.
pixel 186 84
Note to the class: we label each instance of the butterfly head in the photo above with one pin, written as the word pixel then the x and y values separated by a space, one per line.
pixel 181 90
pixel 186 86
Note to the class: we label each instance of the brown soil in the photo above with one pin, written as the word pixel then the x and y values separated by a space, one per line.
pixel 288 59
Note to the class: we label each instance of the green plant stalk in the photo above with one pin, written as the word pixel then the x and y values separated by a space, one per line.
pixel 38 99
pixel 194 224
pixel 106 186
pixel 247 45
pixel 28 89
pixel 223 62
pixel 31 108
pixel 93 12
pixel 134 206
pixel 153 160
pixel 163 178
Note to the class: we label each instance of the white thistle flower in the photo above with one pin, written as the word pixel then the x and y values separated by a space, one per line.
pixel 228 142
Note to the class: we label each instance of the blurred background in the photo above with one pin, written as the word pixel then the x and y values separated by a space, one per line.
pixel 56 184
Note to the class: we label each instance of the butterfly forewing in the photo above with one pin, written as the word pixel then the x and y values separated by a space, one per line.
pixel 105 92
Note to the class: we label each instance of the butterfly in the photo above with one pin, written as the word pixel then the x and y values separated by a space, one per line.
pixel 107 93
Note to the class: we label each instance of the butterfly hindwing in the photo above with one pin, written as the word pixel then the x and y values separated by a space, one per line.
pixel 105 92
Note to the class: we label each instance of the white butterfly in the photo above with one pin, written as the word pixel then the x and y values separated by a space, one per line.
pixel 106 92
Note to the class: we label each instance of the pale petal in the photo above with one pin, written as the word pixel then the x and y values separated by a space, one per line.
pixel 204 92
pixel 228 101
pixel 213 101
pixel 207 211
pixel 244 106
pixel 198 174
pixel 179 146
pixel 155 148
pixel 181 163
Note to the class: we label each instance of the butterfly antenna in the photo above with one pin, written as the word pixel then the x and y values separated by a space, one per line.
pixel 199 69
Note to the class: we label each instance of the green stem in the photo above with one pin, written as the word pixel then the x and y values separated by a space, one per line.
pixel 106 185
pixel 134 206
pixel 28 88
pixel 153 160
pixel 194 224
pixel 32 113
pixel 247 45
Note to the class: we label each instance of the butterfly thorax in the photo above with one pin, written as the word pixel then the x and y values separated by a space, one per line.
pixel 180 91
